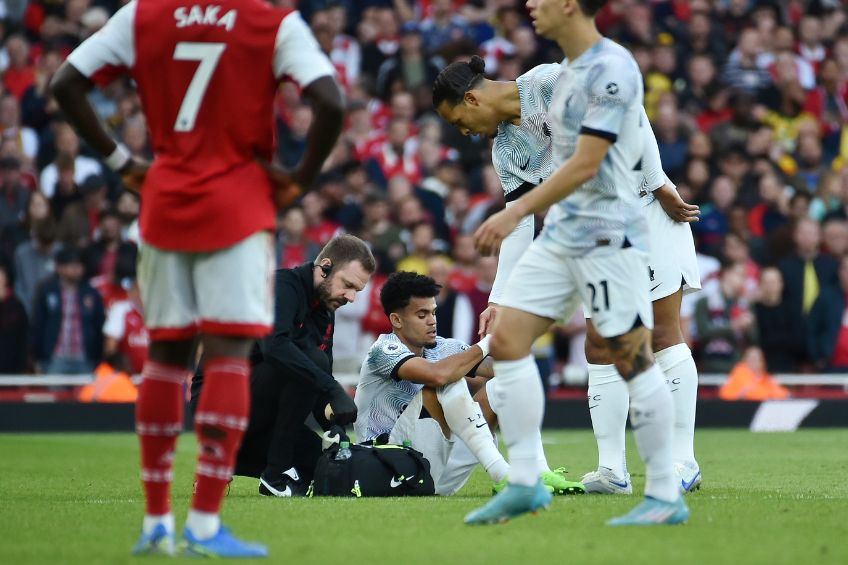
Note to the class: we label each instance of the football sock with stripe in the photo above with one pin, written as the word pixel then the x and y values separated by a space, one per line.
pixel 159 421
pixel 220 421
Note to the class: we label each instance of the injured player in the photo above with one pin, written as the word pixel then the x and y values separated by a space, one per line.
pixel 412 387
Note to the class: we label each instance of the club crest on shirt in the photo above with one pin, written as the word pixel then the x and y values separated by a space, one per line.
pixel 612 89
pixel 391 348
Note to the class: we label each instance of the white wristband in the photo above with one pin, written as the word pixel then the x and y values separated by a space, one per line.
pixel 484 345
pixel 119 157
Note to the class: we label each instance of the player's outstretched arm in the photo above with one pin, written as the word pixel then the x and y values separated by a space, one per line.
pixel 444 371
pixel 70 88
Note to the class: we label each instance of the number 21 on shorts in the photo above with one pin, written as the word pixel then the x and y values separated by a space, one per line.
pixel 595 298
pixel 208 54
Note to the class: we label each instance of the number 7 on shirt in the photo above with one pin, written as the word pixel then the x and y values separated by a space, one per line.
pixel 208 54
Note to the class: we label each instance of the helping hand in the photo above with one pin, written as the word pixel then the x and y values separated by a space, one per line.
pixel 490 235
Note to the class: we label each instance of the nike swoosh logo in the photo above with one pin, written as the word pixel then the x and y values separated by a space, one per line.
pixel 595 406
pixel 480 425
pixel 687 486
pixel 524 168
pixel 656 287
pixel 275 492
pixel 395 483
pixel 619 485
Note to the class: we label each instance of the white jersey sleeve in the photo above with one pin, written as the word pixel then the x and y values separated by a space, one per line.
pixel 387 355
pixel 297 54
pixel 109 52
pixel 611 91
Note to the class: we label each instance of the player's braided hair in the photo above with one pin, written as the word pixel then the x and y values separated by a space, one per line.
pixel 402 286
pixel 456 79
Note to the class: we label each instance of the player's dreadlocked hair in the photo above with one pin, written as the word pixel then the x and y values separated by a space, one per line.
pixel 456 79
pixel 402 286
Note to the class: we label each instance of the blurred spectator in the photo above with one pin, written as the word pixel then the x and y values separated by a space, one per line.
pixel 463 277
pixel 128 208
pixel 379 231
pixel 100 256
pixel 780 332
pixel 14 329
pixel 828 199
pixel 724 322
pixel 67 320
pixel 68 144
pixel 742 70
pixel 737 251
pixel 807 271
pixel 455 316
pixel 442 26
pixel 65 191
pixel 487 268
pixel 750 380
pixel 291 137
pixel 420 249
pixel 319 228
pixel 19 75
pixel 112 287
pixel 125 338
pixel 411 69
pixel 37 208
pixel 34 261
pixel 835 238
pixel 293 248
pixel 13 195
pixel 11 128
pixel 827 325
pixel 714 223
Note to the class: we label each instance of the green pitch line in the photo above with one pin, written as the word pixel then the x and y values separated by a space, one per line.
pixel 766 498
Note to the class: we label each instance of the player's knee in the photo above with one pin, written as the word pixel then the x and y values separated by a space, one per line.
pixel 502 348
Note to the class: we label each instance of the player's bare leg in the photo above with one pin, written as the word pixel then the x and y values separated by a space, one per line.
pixel 675 359
pixel 159 421
pixel 521 401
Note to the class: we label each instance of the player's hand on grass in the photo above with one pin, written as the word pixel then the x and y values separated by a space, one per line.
pixel 676 208
pixel 342 405
pixel 490 235
pixel 287 185
pixel 133 174
pixel 487 320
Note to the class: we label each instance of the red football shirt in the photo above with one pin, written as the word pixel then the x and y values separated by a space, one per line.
pixel 207 73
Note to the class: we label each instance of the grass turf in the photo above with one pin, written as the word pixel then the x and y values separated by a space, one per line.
pixel 767 498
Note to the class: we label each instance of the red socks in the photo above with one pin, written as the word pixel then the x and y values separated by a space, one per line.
pixel 159 420
pixel 220 421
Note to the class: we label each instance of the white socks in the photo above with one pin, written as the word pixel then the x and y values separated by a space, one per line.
pixel 682 378
pixel 609 401
pixel 203 525
pixel 492 394
pixel 521 402
pixel 466 420
pixel 150 522
pixel 651 417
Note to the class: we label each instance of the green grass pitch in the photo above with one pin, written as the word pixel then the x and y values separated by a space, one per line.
pixel 767 498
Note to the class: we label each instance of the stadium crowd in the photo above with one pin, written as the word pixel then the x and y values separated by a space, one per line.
pixel 747 98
